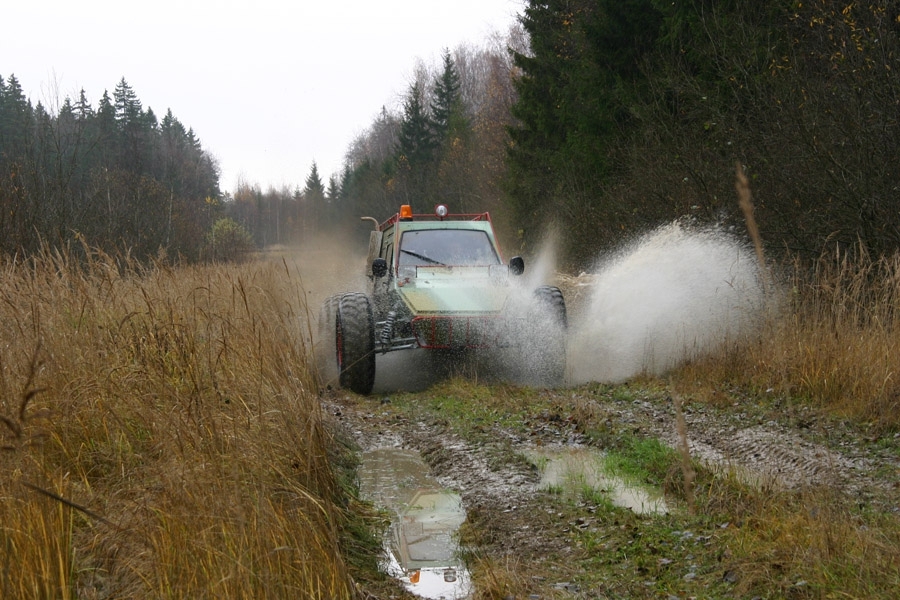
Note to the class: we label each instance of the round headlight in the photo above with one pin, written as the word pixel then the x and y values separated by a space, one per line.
pixel 441 211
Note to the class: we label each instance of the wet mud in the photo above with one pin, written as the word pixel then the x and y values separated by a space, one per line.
pixel 573 470
pixel 514 504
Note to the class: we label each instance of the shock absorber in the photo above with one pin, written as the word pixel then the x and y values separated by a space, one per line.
pixel 387 332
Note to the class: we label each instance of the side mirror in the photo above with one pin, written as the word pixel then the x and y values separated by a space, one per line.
pixel 379 267
pixel 516 265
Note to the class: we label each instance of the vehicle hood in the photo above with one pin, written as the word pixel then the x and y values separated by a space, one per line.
pixel 465 291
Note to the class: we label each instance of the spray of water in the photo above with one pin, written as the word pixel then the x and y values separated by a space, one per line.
pixel 676 294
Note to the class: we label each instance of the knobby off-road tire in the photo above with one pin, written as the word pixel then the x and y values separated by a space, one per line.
pixel 326 365
pixel 355 343
pixel 549 325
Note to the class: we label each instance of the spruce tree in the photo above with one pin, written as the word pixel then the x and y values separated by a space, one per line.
pixel 573 103
pixel 314 197
pixel 128 107
pixel 106 130
pixel 446 104
pixel 416 139
pixel 314 186
pixel 16 118
pixel 83 109
pixel 416 152
pixel 333 194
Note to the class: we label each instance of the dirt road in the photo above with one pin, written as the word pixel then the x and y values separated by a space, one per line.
pixel 550 547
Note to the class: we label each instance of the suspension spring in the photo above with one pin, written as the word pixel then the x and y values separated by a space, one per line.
pixel 387 332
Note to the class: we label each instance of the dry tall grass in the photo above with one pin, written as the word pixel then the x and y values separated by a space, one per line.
pixel 831 337
pixel 840 345
pixel 834 342
pixel 831 341
pixel 161 435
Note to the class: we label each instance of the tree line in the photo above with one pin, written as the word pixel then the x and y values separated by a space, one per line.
pixel 445 143
pixel 112 176
pixel 608 117
pixel 634 112
pixel 601 117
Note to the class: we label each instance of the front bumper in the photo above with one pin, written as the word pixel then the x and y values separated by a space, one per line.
pixel 460 332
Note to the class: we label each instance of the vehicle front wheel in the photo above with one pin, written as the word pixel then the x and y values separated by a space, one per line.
pixel 355 343
pixel 549 324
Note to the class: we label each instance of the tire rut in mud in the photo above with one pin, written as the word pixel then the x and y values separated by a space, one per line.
pixel 516 520
pixel 768 452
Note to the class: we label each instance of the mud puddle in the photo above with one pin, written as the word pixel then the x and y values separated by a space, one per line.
pixel 572 470
pixel 422 542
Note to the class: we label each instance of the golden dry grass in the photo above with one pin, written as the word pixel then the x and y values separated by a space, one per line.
pixel 830 336
pixel 161 434
pixel 830 340
pixel 833 342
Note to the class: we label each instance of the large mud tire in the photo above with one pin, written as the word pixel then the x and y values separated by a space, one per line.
pixel 355 343
pixel 326 365
pixel 549 324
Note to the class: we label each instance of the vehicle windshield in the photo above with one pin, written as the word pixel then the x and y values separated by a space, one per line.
pixel 447 247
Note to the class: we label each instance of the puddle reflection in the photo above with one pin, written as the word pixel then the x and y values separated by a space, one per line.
pixel 422 542
pixel 572 469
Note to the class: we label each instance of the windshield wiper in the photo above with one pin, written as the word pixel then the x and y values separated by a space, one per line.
pixel 422 257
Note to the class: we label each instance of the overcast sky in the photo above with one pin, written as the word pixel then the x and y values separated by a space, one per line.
pixel 269 86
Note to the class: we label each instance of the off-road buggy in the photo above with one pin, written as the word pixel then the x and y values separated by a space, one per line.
pixel 438 282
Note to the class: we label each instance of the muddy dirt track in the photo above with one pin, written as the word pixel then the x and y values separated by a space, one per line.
pixel 770 443
pixel 519 522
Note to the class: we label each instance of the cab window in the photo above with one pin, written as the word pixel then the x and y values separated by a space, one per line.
pixel 447 247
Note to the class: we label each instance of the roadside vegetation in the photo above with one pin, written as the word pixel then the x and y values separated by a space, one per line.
pixel 162 438
pixel 833 344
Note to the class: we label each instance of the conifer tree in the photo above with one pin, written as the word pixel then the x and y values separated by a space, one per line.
pixel 333 194
pixel 128 107
pixel 15 119
pixel 417 146
pixel 83 109
pixel 314 186
pixel 573 102
pixel 446 104
pixel 314 198
pixel 416 138
pixel 106 130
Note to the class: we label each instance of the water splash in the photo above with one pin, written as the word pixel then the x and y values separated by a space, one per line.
pixel 677 294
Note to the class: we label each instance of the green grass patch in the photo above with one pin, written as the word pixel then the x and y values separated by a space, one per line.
pixel 471 409
pixel 642 460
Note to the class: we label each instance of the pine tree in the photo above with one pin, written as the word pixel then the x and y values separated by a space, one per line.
pixel 416 152
pixel 16 118
pixel 128 107
pixel 446 105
